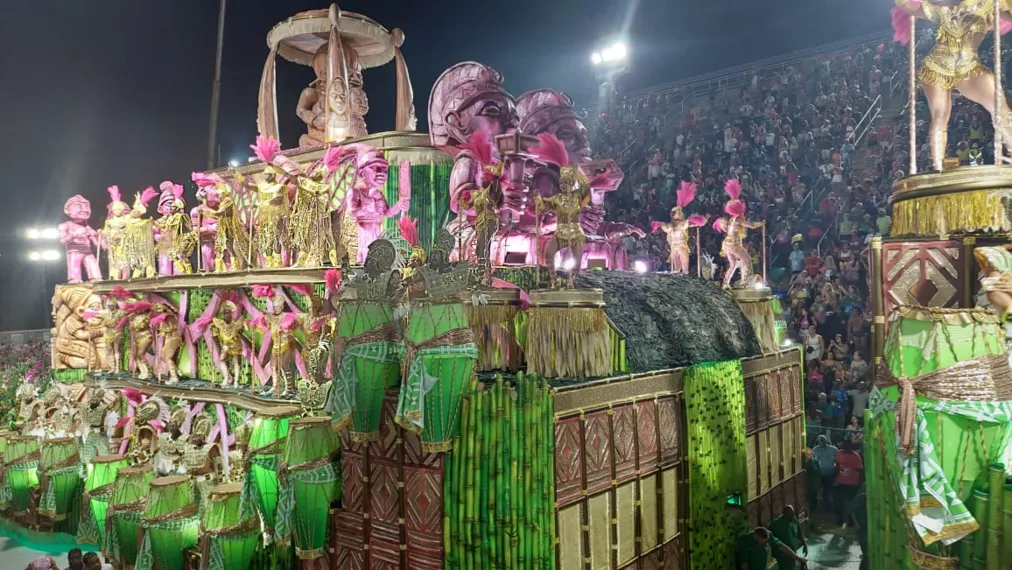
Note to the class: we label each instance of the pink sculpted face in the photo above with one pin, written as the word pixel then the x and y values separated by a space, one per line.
pixel 492 112
pixel 573 134
pixel 374 174
pixel 78 210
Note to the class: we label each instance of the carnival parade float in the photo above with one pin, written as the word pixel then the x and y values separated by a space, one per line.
pixel 401 350
pixel 937 445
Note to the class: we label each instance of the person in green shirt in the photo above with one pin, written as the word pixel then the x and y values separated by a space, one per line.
pixel 883 223
pixel 787 530
pixel 753 550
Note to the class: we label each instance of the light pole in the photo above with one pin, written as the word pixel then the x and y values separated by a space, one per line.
pixel 609 62
pixel 212 138
pixel 44 257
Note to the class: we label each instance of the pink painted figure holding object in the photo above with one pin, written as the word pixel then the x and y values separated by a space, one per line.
pixel 467 98
pixel 368 204
pixel 203 219
pixel 81 241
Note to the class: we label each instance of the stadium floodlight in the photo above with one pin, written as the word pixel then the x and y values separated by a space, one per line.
pixel 35 234
pixel 233 163
pixel 45 255
pixel 596 58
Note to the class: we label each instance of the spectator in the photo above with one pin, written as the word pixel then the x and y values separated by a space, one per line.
pixel 859 399
pixel 75 559
pixel 859 367
pixel 93 562
pixel 814 345
pixel 754 548
pixel 825 455
pixel 839 347
pixel 859 516
pixel 797 258
pixel 787 530
pixel 848 479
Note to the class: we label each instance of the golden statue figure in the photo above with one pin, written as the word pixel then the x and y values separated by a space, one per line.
pixel 139 237
pixel 312 233
pixel 227 329
pixel 232 241
pixel 272 237
pixel 167 324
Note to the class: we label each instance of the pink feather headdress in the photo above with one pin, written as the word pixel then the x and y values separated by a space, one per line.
pixel 159 319
pixel 696 220
pixel 733 188
pixel 205 180
pixel 551 150
pixel 132 395
pixel 266 148
pixel 408 228
pixel 177 191
pixel 114 194
pixel 334 156
pixel 120 293
pixel 686 194
pixel 333 279
pixel 137 307
pixel 147 195
pixel 734 208
pixel 263 291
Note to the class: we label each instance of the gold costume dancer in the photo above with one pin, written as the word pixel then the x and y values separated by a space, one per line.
pixel 231 240
pixel 177 237
pixel 312 233
pixel 272 235
pixel 111 315
pixel 139 237
pixel 486 221
pixel 573 196
pixel 954 63
pixel 227 328
pixel 172 340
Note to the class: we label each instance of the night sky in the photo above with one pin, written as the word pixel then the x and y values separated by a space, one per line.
pixel 118 91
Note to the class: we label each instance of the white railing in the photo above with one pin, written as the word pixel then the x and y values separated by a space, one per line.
pixel 873 111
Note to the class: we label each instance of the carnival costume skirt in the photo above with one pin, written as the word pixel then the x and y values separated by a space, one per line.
pixel 310 481
pixel 440 356
pixel 949 64
pixel 228 538
pixel 370 363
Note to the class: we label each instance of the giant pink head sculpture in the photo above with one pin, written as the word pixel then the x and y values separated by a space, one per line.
pixel 469 97
pixel 77 208
pixel 551 111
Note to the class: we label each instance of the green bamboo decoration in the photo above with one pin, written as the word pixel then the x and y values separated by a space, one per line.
pixel 500 485
pixel 1006 541
pixel 981 495
pixel 996 475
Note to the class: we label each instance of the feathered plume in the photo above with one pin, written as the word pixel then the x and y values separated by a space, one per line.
pixel 177 191
pixel 203 322
pixel 408 227
pixel 480 146
pixel 159 319
pixel 601 180
pixel 333 157
pixel 718 225
pixel 120 293
pixel 204 180
pixel 263 291
pixel 147 195
pixel 550 149
pixel 266 148
pixel 686 194
pixel 137 307
pixel 132 395
pixel 115 194
pixel 733 188
pixel 333 279
pixel 696 220
pixel 735 208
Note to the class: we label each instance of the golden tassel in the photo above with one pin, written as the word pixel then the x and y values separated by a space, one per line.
pixel 977 210
pixel 568 342
pixel 495 334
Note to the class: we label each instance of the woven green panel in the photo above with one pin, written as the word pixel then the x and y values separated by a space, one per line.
pixel 715 415
pixel 430 197
pixel 301 301
pixel 525 277
pixel 499 479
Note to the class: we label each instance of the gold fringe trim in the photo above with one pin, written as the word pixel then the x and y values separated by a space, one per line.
pixel 495 334
pixel 359 437
pixel 930 76
pixel 953 212
pixel 568 342
pixel 927 561
pixel 951 531
pixel 437 446
pixel 760 314
pixel 947 316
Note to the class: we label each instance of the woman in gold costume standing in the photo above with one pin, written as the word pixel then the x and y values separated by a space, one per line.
pixel 953 62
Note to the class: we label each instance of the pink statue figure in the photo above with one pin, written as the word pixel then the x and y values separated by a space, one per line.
pixel 173 232
pixel 469 97
pixel 80 239
pixel 166 323
pixel 551 111
pixel 736 226
pixel 114 235
pixel 367 204
pixel 203 219
pixel 678 228
pixel 280 327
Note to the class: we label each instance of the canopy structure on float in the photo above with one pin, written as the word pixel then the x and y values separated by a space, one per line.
pixel 300 37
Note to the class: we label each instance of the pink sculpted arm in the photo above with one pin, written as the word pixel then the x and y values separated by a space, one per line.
pixel 462 179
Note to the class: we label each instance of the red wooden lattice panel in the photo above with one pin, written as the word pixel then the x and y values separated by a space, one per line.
pixel 673 556
pixel 597 450
pixel 623 421
pixel 670 428
pixel 425 551
pixel 384 496
pixel 646 418
pixel 800 497
pixel 386 447
pixel 384 546
pixel 651 561
pixel 762 406
pixel 751 406
pixel 923 273
pixel 424 500
pixel 347 538
pixel 773 397
pixel 777 501
pixel 753 513
pixel 786 393
pixel 351 478
pixel 568 460
pixel 796 388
